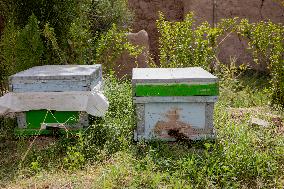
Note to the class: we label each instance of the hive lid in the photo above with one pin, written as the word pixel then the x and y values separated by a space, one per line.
pixel 55 78
pixel 172 75
pixel 57 72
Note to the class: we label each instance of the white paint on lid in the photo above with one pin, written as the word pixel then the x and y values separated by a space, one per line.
pixel 196 74
pixel 49 71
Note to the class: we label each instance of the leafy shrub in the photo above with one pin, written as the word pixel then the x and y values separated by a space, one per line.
pixel 38 31
pixel 69 29
pixel 29 46
pixel 267 45
pixel 81 42
pixel 181 44
pixel 53 53
pixel 74 158
pixel 111 45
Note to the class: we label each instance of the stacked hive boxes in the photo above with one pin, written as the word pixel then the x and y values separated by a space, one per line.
pixel 174 103
pixel 51 79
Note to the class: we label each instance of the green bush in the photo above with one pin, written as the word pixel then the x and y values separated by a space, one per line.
pixel 266 42
pixel 69 29
pixel 182 44
pixel 29 46
pixel 36 33
pixel 81 42
pixel 111 45
pixel 7 53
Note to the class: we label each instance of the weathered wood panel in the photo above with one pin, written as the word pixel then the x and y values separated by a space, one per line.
pixel 54 86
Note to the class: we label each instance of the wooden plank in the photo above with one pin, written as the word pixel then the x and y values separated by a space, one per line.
pixel 172 121
pixel 209 115
pixel 21 120
pixel 55 86
pixel 33 132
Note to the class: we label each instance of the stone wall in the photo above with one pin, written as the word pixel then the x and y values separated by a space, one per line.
pixel 146 14
pixel 211 11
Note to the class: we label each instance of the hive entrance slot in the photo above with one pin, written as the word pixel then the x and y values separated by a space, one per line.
pixel 52 125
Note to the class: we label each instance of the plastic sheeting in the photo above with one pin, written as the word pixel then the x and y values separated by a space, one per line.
pixel 92 102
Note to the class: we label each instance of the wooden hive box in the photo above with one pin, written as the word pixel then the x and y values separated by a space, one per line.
pixel 174 103
pixel 54 78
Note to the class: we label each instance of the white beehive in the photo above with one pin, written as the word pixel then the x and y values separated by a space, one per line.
pixel 174 103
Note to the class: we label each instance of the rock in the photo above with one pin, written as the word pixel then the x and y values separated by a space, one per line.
pixel 125 63
pixel 259 122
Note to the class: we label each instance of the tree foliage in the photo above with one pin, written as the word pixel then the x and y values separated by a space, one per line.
pixel 21 49
pixel 65 32
pixel 104 13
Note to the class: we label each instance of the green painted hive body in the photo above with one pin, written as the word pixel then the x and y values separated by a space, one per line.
pixel 31 122
pixel 54 78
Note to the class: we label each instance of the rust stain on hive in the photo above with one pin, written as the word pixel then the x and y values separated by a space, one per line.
pixel 175 128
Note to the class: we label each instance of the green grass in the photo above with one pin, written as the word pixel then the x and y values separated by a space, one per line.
pixel 105 156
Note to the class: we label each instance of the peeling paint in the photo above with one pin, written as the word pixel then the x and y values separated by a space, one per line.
pixel 174 128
